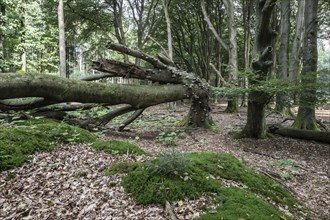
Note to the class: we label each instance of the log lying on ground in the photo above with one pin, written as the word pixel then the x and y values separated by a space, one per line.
pixel 53 88
pixel 301 134
pixel 179 85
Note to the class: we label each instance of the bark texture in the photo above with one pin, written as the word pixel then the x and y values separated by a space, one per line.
pixel 261 64
pixel 282 74
pixel 306 112
pixel 301 134
pixel 61 38
pixel 172 85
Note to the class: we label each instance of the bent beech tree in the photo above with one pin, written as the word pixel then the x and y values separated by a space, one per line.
pixel 172 85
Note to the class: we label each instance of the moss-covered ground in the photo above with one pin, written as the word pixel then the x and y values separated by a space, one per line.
pixel 22 138
pixel 204 175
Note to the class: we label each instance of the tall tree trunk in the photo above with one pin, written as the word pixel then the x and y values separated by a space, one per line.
pixel 168 28
pixel 262 63
pixel 306 112
pixel 282 74
pixel 117 6
pixel 294 65
pixel 2 36
pixel 23 28
pixel 233 101
pixel 60 11
pixel 247 10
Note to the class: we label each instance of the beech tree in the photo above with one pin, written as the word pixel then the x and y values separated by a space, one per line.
pixel 306 112
pixel 261 64
pixel 61 38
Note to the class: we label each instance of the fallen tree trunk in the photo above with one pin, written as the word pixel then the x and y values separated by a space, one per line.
pixel 53 88
pixel 45 89
pixel 301 134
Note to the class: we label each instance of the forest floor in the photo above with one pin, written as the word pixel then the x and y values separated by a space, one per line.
pixel 69 182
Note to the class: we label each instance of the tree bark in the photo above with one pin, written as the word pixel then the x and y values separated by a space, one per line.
pixel 169 30
pixel 15 85
pixel 301 134
pixel 294 65
pixel 262 62
pixel 60 11
pixel 281 98
pixel 2 36
pixel 306 112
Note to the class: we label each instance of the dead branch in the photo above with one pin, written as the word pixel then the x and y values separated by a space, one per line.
pixel 135 53
pixel 129 120
pixel 218 74
pixel 97 77
pixel 211 27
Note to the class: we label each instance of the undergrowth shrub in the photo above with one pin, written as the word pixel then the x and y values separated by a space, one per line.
pixel 169 163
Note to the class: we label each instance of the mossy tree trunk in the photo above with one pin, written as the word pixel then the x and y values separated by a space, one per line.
pixel 47 89
pixel 306 112
pixel 262 62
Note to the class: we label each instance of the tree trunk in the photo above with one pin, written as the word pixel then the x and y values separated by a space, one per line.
pixel 294 66
pixel 262 62
pixel 233 101
pixel 282 74
pixel 60 11
pixel 306 112
pixel 117 6
pixel 16 85
pixel 168 28
pixel 301 134
pixel 2 36
pixel 50 89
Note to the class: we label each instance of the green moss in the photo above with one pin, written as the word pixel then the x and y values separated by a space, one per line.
pixel 23 138
pixel 205 170
pixel 117 147
pixel 241 204
pixel 124 167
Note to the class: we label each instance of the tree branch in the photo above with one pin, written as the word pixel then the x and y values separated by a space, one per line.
pixel 211 27
pixel 138 54
pixel 129 120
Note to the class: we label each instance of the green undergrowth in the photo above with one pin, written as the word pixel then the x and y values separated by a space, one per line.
pixel 22 138
pixel 203 176
pixel 123 167
pixel 117 147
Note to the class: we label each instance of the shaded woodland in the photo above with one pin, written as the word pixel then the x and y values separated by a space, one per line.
pixel 247 71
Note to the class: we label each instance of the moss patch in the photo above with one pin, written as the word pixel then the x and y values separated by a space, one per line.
pixel 205 172
pixel 117 147
pixel 22 138
pixel 124 167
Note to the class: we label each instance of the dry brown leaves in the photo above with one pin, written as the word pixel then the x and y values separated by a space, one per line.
pixel 69 183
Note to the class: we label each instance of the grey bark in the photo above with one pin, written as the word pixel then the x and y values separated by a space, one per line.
pixel 306 112
pixel 282 74
pixel 60 11
pixel 168 28
pixel 261 64
pixel 2 36
pixel 295 56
